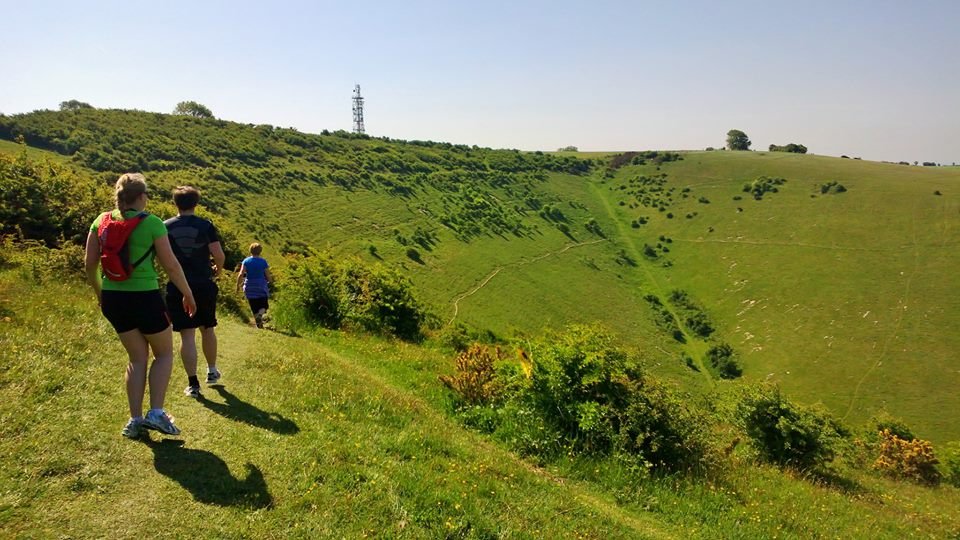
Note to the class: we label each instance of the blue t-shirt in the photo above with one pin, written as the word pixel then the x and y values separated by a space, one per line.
pixel 255 282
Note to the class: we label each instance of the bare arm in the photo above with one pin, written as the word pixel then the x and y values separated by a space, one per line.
pixel 218 257
pixel 169 262
pixel 91 262
pixel 269 276
pixel 240 275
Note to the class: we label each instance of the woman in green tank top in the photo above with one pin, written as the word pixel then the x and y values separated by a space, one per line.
pixel 135 306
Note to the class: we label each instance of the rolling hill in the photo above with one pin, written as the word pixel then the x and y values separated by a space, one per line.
pixel 841 297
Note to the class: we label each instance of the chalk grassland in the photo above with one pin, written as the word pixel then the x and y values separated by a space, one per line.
pixel 337 435
pixel 846 298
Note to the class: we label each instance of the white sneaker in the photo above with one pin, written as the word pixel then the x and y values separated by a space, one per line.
pixel 161 422
pixel 213 377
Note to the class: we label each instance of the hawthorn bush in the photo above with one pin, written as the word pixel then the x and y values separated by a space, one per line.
pixel 785 433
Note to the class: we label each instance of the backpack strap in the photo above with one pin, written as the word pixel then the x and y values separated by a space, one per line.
pixel 141 259
pixel 142 216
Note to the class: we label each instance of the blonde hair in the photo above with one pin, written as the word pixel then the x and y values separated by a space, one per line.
pixel 129 187
pixel 255 249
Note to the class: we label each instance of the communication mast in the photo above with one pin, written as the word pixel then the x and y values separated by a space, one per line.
pixel 357 110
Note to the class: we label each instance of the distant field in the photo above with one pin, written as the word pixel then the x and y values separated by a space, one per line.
pixel 842 297
pixel 9 147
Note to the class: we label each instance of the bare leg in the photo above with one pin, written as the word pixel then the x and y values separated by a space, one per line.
pixel 136 374
pixel 188 351
pixel 208 339
pixel 162 366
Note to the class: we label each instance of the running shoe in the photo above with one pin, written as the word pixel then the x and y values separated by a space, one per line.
pixel 133 429
pixel 213 377
pixel 192 391
pixel 259 319
pixel 160 421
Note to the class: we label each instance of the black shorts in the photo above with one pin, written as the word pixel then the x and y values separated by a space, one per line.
pixel 205 294
pixel 256 304
pixel 135 310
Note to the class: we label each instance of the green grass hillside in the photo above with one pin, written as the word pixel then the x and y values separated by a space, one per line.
pixel 839 296
pixel 339 435
pixel 303 441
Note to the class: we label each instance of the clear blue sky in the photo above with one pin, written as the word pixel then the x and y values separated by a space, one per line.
pixel 877 79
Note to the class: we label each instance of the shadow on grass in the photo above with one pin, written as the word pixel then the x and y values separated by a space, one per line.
pixel 236 409
pixel 207 477
pixel 288 333
pixel 832 480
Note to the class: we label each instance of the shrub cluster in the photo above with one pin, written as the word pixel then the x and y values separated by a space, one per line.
pixel 792 147
pixel 911 459
pixel 694 316
pixel 832 187
pixel 576 392
pixel 657 157
pixel 663 318
pixel 785 433
pixel 336 293
pixel 762 185
pixel 44 201
pixel 723 360
pixel 951 463
pixel 474 380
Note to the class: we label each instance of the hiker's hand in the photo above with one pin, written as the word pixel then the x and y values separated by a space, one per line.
pixel 189 305
pixel 216 270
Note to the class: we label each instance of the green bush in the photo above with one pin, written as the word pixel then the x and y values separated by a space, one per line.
pixel 885 421
pixel 48 202
pixel 578 391
pixel 577 381
pixel 39 263
pixel 950 463
pixel 337 293
pixel 723 359
pixel 785 433
pixel 659 425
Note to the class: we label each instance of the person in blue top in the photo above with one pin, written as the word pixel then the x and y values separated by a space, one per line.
pixel 255 276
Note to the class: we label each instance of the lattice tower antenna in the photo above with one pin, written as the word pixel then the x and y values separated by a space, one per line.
pixel 357 110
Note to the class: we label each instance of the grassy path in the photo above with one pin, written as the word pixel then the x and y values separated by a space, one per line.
pixel 694 346
pixel 783 244
pixel 302 441
pixel 902 305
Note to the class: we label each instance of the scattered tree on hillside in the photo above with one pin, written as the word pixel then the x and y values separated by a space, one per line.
pixel 74 105
pixel 192 108
pixel 737 140
pixel 568 149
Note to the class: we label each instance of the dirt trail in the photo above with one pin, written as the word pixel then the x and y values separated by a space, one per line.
pixel 496 270
pixel 902 305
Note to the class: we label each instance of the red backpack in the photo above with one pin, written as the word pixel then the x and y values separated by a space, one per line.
pixel 114 248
